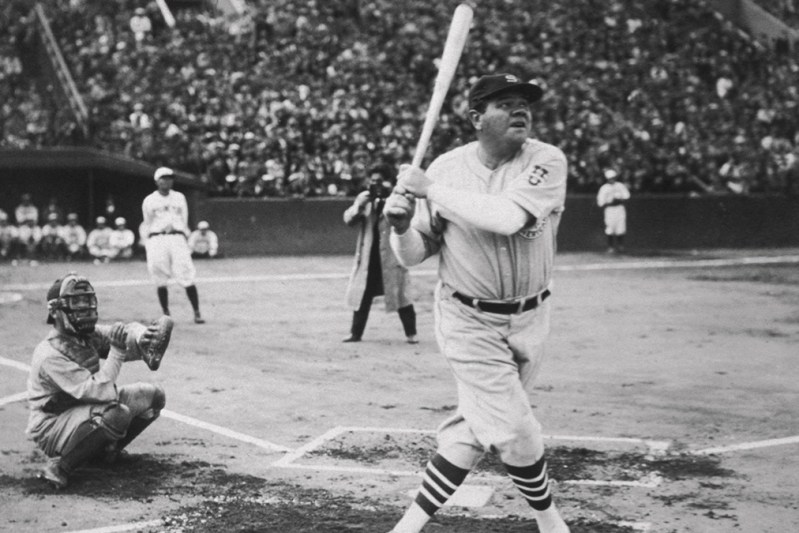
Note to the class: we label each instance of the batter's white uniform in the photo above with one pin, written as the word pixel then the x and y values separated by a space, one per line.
pixel 494 357
pixel 166 223
pixel 615 215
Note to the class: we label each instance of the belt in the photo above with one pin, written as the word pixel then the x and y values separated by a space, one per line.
pixel 167 233
pixel 503 308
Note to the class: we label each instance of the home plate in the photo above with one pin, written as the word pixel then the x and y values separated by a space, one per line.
pixel 465 496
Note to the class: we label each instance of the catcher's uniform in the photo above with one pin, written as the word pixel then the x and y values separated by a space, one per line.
pixel 166 223
pixel 495 355
pixel 66 387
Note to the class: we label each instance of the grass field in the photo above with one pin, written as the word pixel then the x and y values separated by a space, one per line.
pixel 669 398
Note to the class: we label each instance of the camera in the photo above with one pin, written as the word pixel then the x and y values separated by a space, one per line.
pixel 379 191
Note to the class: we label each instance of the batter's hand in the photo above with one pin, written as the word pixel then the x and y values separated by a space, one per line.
pixel 399 210
pixel 414 181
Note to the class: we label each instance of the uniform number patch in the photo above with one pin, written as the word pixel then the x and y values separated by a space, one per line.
pixel 537 176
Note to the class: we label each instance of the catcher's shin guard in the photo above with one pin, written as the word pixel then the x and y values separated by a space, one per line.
pixel 153 351
pixel 86 442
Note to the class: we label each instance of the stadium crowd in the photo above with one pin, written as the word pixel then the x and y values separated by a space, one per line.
pixel 302 98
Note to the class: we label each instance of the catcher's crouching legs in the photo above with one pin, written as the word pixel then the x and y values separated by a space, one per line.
pixel 145 402
pixel 107 424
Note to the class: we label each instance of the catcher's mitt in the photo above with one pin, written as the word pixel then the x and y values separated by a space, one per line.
pixel 155 340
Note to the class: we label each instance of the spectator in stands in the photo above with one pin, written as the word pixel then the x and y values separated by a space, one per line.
pixel 75 238
pixel 52 246
pixel 321 80
pixel 30 235
pixel 26 211
pixel 9 238
pixel 122 240
pixel 203 241
pixel 99 242
pixel 140 25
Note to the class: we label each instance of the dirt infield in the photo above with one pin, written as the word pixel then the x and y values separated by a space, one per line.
pixel 669 398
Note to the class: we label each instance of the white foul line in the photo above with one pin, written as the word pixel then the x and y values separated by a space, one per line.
pixel 14 398
pixel 224 431
pixel 748 446
pixel 133 526
pixel 617 265
pixel 15 364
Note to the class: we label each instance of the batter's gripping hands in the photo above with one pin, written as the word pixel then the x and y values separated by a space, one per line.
pixel 399 210
pixel 155 340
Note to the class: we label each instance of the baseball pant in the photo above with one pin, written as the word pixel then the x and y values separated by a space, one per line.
pixel 168 256
pixel 615 220
pixel 494 359
pixel 140 398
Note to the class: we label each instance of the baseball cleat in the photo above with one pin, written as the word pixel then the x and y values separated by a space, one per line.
pixel 412 339
pixel 158 343
pixel 198 319
pixel 351 338
pixel 53 474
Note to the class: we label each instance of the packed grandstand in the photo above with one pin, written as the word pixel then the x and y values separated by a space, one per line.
pixel 303 97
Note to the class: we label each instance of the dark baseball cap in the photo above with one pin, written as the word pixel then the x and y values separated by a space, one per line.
pixel 52 294
pixel 491 85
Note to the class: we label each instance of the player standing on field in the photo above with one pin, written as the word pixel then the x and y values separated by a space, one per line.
pixel 491 209
pixel 611 198
pixel 166 225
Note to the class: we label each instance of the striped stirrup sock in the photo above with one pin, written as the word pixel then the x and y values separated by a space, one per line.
pixel 441 480
pixel 533 482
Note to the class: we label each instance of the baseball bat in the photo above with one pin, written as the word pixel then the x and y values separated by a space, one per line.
pixel 456 39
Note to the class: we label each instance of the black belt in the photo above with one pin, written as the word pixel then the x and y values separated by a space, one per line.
pixel 503 308
pixel 167 233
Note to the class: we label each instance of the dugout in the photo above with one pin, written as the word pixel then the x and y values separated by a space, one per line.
pixel 81 179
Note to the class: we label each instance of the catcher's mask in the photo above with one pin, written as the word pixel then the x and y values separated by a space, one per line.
pixel 75 297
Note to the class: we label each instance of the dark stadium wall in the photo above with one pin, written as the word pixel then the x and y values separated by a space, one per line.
pixel 655 222
pixel 81 179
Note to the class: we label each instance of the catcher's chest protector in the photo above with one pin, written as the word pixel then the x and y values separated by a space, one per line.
pixel 86 354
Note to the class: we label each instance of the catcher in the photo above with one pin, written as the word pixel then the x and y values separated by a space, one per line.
pixel 77 412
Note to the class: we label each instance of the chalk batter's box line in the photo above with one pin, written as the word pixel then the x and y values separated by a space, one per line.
pixel 289 460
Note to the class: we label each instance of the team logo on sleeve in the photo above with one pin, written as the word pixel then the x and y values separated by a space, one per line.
pixel 537 175
pixel 535 230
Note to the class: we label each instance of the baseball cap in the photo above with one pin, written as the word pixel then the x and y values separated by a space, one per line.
pixel 610 174
pixel 119 221
pixel 492 84
pixel 100 220
pixel 53 293
pixel 163 172
pixel 72 216
pixel 203 225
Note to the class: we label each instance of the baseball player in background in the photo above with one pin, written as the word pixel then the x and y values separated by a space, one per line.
pixel 611 198
pixel 491 209
pixel 122 239
pixel 74 236
pixel 77 411
pixel 166 225
pixel 99 242
pixel 203 241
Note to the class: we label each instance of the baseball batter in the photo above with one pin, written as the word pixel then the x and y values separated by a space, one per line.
pixel 611 198
pixel 491 209
pixel 77 411
pixel 166 225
